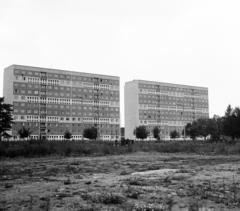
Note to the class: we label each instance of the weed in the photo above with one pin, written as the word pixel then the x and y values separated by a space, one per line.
pixel 123 172
pixel 132 192
pixel 136 181
pixel 104 198
pixel 194 205
pixel 67 182
pixel 42 148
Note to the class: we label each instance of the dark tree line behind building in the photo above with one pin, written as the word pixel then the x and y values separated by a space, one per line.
pixel 215 128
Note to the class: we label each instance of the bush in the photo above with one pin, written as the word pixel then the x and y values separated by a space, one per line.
pixel 35 148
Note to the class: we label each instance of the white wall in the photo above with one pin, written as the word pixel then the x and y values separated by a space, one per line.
pixel 131 108
pixel 8 85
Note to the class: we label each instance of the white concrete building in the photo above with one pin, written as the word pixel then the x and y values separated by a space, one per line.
pixel 51 101
pixel 168 106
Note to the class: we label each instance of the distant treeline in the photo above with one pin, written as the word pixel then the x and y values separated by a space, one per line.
pixel 216 128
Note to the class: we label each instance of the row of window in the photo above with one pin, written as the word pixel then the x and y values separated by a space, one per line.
pixel 68 76
pixel 75 129
pixel 172 108
pixel 162 123
pixel 66 113
pixel 74 137
pixel 173 103
pixel 56 125
pixel 169 118
pixel 37 99
pixel 84 110
pixel 173 94
pixel 60 91
pixel 151 116
pixel 101 96
pixel 37 118
pixel 62 88
pixel 166 98
pixel 173 88
pixel 73 107
pixel 69 83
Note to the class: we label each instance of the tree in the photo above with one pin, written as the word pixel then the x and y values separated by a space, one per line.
pixel 218 124
pixel 231 122
pixel 228 122
pixel 229 125
pixel 141 132
pixel 156 133
pixel 204 127
pixel 228 111
pixel 6 119
pixel 90 133
pixel 24 132
pixel 67 135
pixel 236 122
pixel 191 130
pixel 174 134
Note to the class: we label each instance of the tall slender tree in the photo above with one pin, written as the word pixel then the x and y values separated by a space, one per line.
pixel 156 133
pixel 231 122
pixel 6 119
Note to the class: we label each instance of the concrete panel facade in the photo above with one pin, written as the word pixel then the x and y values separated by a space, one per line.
pixel 51 101
pixel 168 106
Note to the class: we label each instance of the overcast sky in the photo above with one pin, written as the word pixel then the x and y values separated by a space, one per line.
pixel 193 42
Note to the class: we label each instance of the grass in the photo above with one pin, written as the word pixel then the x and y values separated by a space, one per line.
pixel 104 198
pixel 82 148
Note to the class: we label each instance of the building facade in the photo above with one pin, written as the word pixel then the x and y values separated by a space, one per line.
pixel 51 101
pixel 167 106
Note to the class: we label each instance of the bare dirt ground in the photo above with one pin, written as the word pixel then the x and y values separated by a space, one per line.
pixel 140 181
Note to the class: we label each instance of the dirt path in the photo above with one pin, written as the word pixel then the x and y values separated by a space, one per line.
pixel 141 181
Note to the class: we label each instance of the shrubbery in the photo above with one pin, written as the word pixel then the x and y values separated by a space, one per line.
pixel 82 148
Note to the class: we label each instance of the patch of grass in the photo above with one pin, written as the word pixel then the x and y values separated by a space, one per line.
pixel 150 207
pixel 112 198
pixel 67 182
pixel 124 172
pixel 53 171
pixel 136 181
pixel 132 193
pixel 194 205
pixel 104 198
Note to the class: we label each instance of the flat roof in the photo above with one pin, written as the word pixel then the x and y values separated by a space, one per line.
pixel 15 66
pixel 167 84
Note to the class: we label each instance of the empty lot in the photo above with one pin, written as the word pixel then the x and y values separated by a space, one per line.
pixel 138 181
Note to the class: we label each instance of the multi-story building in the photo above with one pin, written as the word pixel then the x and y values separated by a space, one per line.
pixel 51 101
pixel 167 106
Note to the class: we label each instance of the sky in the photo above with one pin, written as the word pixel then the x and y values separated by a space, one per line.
pixel 188 42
